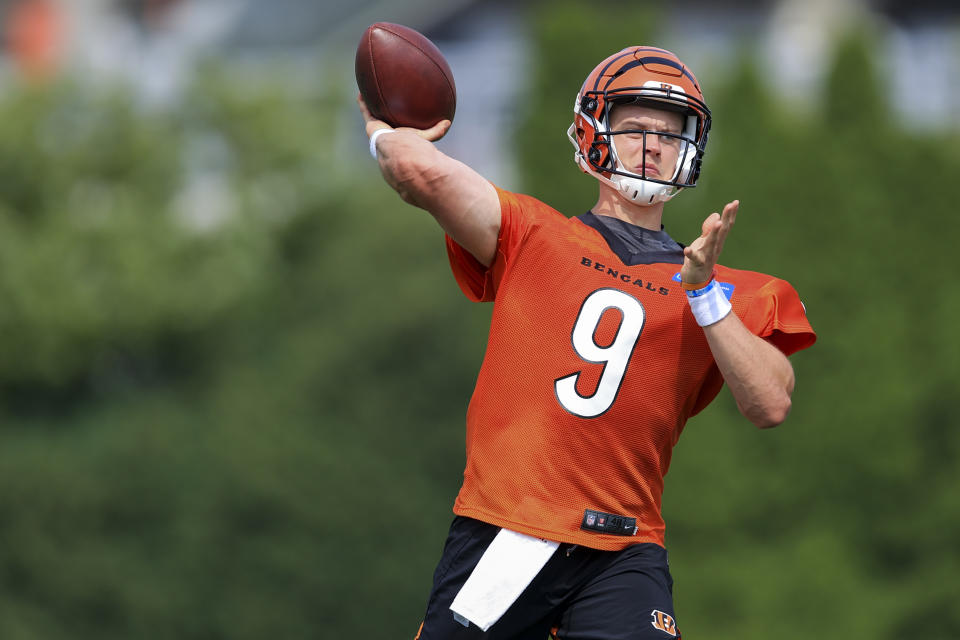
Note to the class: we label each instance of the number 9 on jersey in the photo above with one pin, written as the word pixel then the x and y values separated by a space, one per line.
pixel 614 357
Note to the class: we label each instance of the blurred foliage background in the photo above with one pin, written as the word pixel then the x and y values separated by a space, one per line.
pixel 245 420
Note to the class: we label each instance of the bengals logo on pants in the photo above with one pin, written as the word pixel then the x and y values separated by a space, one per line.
pixel 664 622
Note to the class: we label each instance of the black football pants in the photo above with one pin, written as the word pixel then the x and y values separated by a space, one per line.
pixel 580 594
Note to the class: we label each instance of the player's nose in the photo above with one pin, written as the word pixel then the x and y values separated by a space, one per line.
pixel 651 143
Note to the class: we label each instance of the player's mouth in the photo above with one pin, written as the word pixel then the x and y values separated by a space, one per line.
pixel 649 170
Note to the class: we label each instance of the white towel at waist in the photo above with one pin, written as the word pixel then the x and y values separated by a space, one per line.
pixel 506 568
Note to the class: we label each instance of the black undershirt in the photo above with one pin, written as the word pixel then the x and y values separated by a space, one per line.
pixel 632 244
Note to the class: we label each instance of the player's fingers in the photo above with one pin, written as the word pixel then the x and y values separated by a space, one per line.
pixel 728 217
pixel 730 212
pixel 371 123
pixel 369 118
pixel 708 240
pixel 435 132
pixel 718 236
pixel 710 223
pixel 363 108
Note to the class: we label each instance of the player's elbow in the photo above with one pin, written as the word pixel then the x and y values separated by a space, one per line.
pixel 767 412
pixel 769 405
pixel 772 414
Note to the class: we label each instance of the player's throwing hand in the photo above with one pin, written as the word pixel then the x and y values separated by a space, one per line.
pixel 372 124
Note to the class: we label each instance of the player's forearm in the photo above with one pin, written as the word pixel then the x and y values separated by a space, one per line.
pixel 408 164
pixel 464 203
pixel 758 374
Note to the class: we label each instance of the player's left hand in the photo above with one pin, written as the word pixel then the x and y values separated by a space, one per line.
pixel 700 257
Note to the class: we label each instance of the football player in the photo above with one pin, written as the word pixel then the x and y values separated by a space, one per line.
pixel 607 335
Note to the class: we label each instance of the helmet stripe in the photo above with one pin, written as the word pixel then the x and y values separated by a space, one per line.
pixel 610 64
pixel 650 59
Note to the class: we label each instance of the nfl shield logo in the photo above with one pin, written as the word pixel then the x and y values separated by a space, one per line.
pixel 591 519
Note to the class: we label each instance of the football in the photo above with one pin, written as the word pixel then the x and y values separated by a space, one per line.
pixel 403 78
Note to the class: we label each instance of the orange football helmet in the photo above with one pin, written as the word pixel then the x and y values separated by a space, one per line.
pixel 644 76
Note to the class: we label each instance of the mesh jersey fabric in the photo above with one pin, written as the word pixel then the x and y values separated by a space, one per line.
pixel 535 461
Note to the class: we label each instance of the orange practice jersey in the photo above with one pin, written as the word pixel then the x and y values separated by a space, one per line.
pixel 592 368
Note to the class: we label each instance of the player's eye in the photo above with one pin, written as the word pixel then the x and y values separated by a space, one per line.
pixel 670 140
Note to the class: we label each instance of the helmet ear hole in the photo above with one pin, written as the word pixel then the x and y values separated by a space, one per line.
pixel 594 155
pixel 588 105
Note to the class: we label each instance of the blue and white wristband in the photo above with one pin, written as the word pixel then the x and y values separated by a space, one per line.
pixel 709 304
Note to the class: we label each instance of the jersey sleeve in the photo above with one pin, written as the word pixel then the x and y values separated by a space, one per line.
pixel 777 315
pixel 479 283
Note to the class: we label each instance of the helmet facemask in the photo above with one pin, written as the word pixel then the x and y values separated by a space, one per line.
pixel 641 188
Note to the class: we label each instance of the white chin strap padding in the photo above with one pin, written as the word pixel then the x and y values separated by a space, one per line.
pixel 641 191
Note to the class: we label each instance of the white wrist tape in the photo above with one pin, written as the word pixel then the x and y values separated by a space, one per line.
pixel 373 140
pixel 709 305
